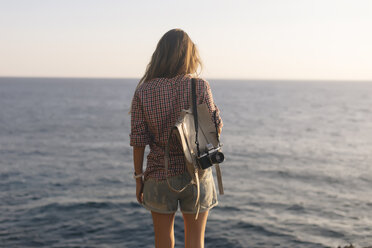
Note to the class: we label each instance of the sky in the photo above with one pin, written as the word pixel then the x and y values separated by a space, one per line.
pixel 248 39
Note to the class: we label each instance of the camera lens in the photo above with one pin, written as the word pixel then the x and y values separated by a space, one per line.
pixel 218 157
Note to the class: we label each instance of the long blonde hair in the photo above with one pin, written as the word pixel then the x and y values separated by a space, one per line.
pixel 174 55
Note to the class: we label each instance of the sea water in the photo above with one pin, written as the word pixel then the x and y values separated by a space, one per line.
pixel 298 169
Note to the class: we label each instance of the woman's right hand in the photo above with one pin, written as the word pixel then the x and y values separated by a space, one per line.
pixel 139 190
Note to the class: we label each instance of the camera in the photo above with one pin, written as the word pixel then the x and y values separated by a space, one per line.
pixel 212 155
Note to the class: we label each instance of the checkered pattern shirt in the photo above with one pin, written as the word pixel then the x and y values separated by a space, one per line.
pixel 156 106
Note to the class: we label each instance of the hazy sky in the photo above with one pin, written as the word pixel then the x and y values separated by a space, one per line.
pixel 260 39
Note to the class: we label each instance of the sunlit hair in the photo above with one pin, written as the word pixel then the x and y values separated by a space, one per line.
pixel 174 55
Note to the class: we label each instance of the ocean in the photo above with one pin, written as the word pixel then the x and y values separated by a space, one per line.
pixel 298 169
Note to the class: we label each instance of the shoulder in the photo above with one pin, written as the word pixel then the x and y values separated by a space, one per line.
pixel 147 86
pixel 199 81
pixel 202 83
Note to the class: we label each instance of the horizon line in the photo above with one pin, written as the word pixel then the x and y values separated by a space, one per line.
pixel 208 78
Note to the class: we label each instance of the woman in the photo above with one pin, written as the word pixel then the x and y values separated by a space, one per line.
pixel 160 96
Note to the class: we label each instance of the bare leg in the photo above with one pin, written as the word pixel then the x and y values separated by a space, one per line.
pixel 195 229
pixel 164 230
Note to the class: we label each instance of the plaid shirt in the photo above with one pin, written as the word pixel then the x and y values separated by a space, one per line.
pixel 156 106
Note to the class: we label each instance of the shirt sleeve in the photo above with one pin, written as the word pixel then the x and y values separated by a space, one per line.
pixel 139 135
pixel 213 109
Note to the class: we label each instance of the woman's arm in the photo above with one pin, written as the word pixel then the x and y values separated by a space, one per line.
pixel 139 138
pixel 138 155
pixel 213 109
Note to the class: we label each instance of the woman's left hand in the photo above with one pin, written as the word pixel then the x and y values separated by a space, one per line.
pixel 139 190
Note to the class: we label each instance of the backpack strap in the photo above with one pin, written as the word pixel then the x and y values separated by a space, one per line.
pixel 219 178
pixel 166 163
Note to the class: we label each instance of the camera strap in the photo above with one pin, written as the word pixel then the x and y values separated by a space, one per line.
pixel 195 112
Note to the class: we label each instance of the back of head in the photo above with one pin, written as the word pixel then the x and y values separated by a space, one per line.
pixel 174 55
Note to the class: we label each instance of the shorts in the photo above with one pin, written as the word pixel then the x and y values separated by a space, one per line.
pixel 158 197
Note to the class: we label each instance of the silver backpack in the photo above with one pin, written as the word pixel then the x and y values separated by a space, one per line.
pixel 199 138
